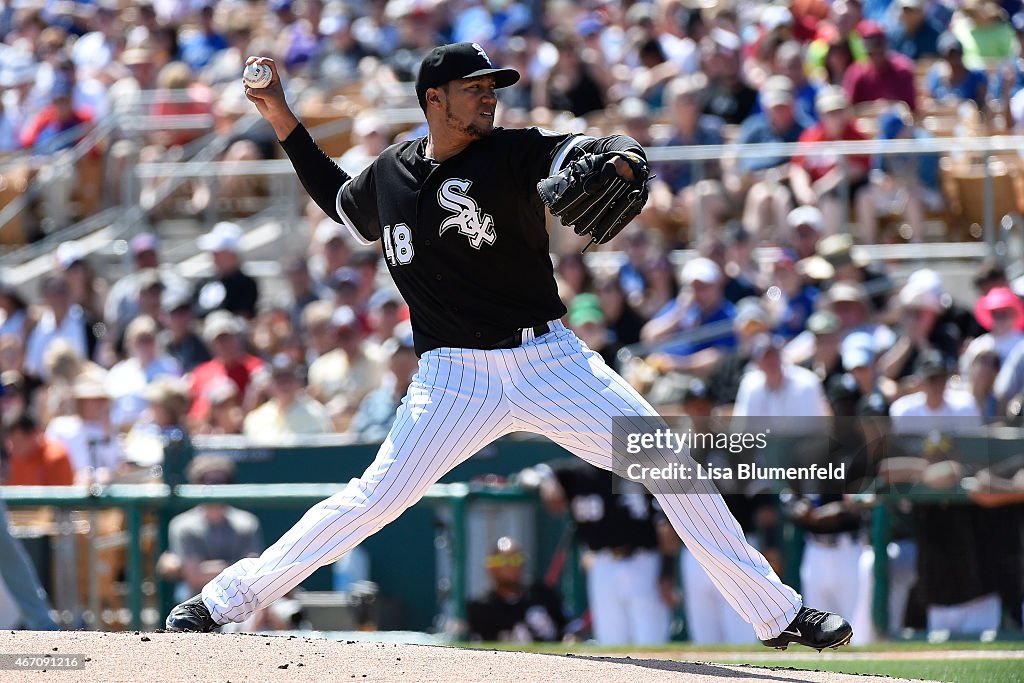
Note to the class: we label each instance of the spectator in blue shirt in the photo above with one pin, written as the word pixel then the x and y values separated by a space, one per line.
pixel 950 79
pixel 696 328
pixel 759 178
pixel 913 35
pixel 200 48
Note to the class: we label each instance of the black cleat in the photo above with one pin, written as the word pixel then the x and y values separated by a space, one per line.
pixel 815 629
pixel 191 615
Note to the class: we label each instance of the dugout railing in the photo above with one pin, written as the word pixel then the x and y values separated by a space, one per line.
pixel 508 456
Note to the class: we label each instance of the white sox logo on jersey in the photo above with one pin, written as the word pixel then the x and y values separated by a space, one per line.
pixel 471 222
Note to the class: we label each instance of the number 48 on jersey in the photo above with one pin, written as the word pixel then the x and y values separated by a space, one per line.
pixel 398 244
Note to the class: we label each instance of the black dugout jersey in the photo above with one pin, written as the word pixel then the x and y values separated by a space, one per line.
pixel 604 519
pixel 536 615
pixel 464 239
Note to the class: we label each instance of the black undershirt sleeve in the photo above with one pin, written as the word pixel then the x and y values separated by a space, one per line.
pixel 317 172
pixel 613 143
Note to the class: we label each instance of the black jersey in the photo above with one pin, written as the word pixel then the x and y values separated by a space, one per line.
pixel 465 239
pixel 605 519
pixel 535 615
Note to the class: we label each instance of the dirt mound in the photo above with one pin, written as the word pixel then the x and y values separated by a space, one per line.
pixel 144 657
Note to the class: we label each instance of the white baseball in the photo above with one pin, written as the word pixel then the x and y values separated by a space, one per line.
pixel 257 75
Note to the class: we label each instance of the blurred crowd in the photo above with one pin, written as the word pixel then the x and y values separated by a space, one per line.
pixel 776 313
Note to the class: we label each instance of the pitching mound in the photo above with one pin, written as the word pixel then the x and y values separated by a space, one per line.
pixel 146 657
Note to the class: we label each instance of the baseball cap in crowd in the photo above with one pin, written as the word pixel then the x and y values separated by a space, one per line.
pixel 211 469
pixel 91 384
pixel 447 63
pixel 823 322
pixel 221 322
pixel 777 90
pixel 870 30
pixel 810 216
pixel 830 98
pixel 911 4
pixel 68 254
pixel 774 16
pixel 383 297
pixel 585 308
pixel 857 350
pixel 933 363
pixel 701 269
pixel 174 299
pixel 328 231
pixel 764 343
pixel 143 242
pixel 847 291
pixel 998 298
pixel 749 311
pixel 915 295
pixel 344 316
pixel 949 43
pixel 345 277
pixel 892 122
pixel 224 236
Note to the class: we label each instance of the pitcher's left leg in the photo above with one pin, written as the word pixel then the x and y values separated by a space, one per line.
pixel 572 396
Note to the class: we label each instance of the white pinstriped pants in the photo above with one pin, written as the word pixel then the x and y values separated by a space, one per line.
pixel 459 401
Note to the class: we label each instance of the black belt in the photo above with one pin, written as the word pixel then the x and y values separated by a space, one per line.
pixel 516 340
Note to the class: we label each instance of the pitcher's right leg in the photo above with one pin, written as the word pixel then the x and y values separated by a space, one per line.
pixel 452 409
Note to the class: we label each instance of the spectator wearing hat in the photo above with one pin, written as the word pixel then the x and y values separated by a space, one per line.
pixel 228 289
pixel 201 45
pixel 1001 312
pixel 346 284
pixel 122 302
pixel 330 251
pixel 777 388
pixel 921 329
pixel 377 411
pixel 366 262
pixel 751 321
pixel 371 135
pixel 902 185
pixel 513 611
pixel 87 434
pixel 207 538
pixel 61 319
pixel 824 336
pixel 804 224
pixel 33 458
pixel 342 377
pixel 128 379
pixel 837 260
pixel 950 81
pixel 701 310
pixel 763 180
pixel 179 337
pixel 289 411
pixel 385 311
pixel 697 189
pixel 886 75
pixel 914 35
pixel 586 319
pixel 224 334
pixel 162 422
pixel 817 179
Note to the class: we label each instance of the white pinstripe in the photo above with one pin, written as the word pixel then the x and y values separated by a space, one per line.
pixel 462 399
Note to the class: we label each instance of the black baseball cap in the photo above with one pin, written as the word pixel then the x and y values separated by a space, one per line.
pixel 453 62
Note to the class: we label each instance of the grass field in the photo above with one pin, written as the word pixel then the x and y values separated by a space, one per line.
pixel 957 662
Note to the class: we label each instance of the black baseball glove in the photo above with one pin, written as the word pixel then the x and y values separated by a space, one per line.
pixel 591 197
